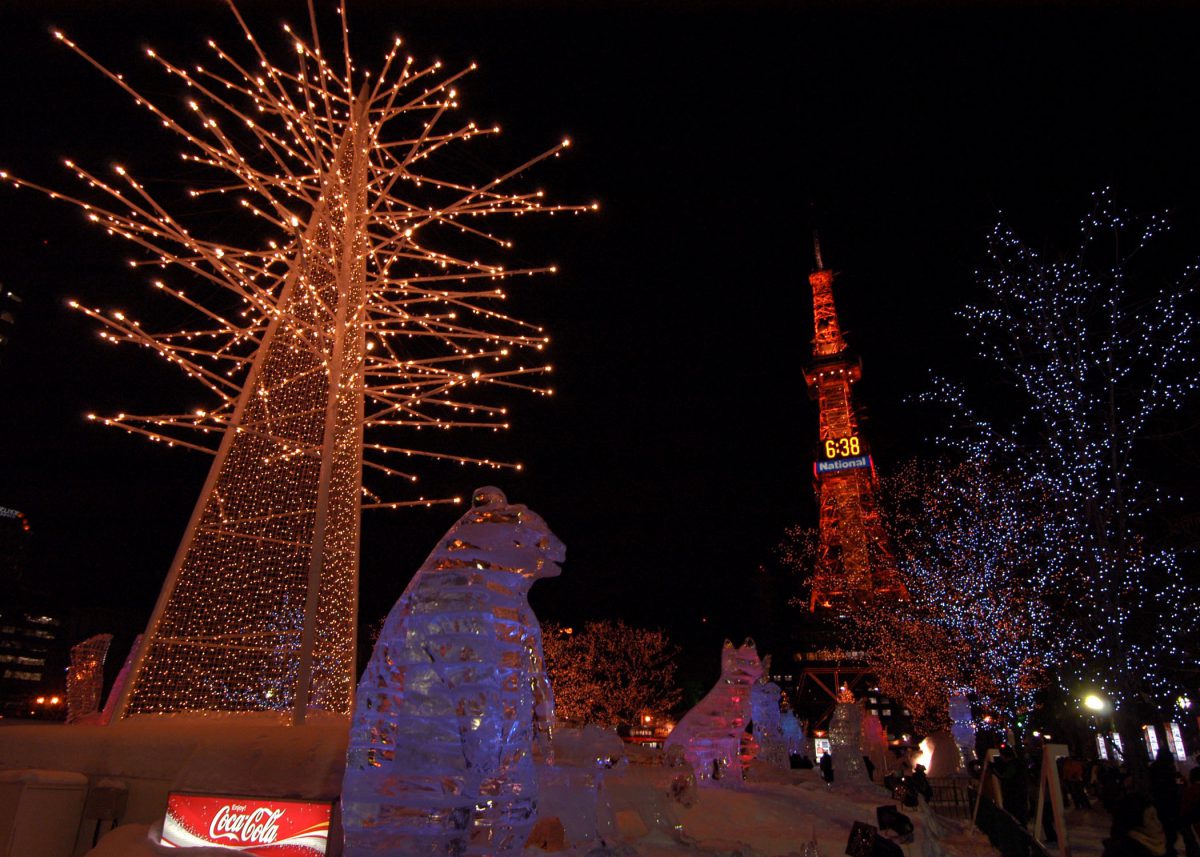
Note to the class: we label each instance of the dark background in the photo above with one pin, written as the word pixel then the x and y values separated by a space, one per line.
pixel 679 443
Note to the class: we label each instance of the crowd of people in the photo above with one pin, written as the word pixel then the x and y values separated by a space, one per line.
pixel 1163 822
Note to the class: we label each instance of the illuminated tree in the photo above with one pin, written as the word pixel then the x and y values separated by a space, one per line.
pixel 912 657
pixel 356 304
pixel 915 660
pixel 1091 348
pixel 610 673
pixel 982 555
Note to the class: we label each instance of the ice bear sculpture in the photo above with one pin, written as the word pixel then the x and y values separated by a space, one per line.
pixel 765 711
pixel 440 759
pixel 711 733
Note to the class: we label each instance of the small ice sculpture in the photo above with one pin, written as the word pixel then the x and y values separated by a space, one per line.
pixel 793 734
pixel 845 740
pixel 440 759
pixel 962 727
pixel 573 789
pixel 944 757
pixel 765 711
pixel 85 678
pixel 875 743
pixel 118 688
pixel 711 733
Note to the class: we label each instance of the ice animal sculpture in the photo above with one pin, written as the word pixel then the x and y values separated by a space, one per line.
pixel 765 696
pixel 793 735
pixel 711 733
pixel 440 759
pixel 574 789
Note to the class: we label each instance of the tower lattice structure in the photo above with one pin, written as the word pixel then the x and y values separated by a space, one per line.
pixel 854 562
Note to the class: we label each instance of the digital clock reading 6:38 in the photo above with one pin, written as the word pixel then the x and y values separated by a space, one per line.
pixel 843 447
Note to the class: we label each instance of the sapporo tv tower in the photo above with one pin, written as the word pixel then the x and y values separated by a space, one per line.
pixel 854 563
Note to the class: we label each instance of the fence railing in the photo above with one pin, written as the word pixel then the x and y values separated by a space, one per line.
pixel 950 798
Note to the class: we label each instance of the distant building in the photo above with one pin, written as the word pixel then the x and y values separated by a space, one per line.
pixel 812 682
pixel 9 302
pixel 32 664
pixel 39 625
pixel 14 546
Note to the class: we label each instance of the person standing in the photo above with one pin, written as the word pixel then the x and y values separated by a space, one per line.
pixel 1165 794
pixel 827 768
pixel 1072 777
pixel 1189 812
pixel 1136 830
pixel 1014 784
pixel 919 783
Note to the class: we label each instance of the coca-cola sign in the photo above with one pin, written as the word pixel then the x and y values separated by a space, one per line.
pixel 270 827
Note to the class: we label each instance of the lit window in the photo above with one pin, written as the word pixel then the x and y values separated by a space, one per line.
pixel 42 620
pixel 22 675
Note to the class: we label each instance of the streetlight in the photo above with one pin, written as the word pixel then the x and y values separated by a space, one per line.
pixel 1099 706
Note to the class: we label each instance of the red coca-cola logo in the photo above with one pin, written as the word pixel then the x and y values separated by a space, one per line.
pixel 270 827
pixel 232 822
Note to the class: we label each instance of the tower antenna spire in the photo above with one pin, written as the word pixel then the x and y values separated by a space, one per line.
pixel 817 249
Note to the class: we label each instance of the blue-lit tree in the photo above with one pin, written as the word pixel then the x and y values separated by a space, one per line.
pixel 1092 346
pixel 915 656
pixel 981 557
pixel 980 554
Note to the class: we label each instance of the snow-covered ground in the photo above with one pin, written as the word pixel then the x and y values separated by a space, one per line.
pixel 775 813
pixel 778 813
pixel 764 819
pixel 759 819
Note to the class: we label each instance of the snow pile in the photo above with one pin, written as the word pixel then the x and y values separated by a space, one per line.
pixel 257 754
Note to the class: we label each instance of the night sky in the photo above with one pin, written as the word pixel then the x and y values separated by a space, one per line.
pixel 680 440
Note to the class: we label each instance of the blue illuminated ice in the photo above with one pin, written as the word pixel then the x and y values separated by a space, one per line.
pixel 962 727
pixel 455 697
pixel 793 735
pixel 765 710
pixel 710 734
